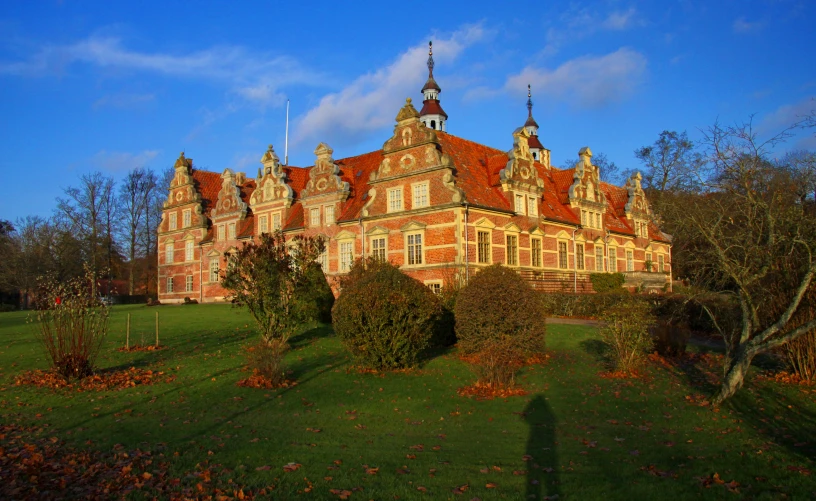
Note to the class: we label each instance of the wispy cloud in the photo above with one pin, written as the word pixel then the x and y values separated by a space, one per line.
pixel 621 20
pixel 123 101
pixel 577 23
pixel 257 77
pixel 120 162
pixel 371 101
pixel 588 81
pixel 741 25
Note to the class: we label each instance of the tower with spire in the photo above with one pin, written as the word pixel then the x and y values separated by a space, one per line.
pixel 432 114
pixel 536 148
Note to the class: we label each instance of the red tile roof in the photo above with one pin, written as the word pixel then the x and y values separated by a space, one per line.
pixel 432 107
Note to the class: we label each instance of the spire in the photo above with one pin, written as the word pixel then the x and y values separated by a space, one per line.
pixel 530 123
pixel 432 114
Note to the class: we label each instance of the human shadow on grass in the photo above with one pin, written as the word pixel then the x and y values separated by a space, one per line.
pixel 543 471
pixel 597 348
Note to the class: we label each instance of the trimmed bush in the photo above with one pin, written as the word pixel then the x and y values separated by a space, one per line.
pixel 385 318
pixel 607 282
pixel 499 323
pixel 567 304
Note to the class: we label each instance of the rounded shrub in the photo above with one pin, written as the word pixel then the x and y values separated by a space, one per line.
pixel 385 318
pixel 499 323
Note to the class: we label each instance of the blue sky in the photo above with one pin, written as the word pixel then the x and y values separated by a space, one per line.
pixel 111 86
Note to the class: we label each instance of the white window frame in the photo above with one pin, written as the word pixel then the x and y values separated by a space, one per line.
pixel 532 206
pixel 173 221
pixel 263 224
pixel 511 251
pixel 189 250
pixel 661 263
pixel 519 203
pixel 187 218
pixel 169 252
pixel 346 254
pixel 488 251
pixel 434 285
pixel 612 262
pixel 630 260
pixel 414 250
pixel 231 231
pixel 379 247
pixel 221 232
pixel 323 258
pixel 583 218
pixel 169 286
pixel 188 284
pixel 420 195
pixel 563 264
pixel 328 214
pixel 535 253
pixel 276 221
pixel 395 200
pixel 599 258
pixel 580 256
pixel 314 216
pixel 215 270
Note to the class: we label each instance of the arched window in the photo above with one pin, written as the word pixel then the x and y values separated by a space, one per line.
pixel 433 124
pixel 535 156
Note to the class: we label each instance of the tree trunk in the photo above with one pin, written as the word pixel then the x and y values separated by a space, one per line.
pixel 735 370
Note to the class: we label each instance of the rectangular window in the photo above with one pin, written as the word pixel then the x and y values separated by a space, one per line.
pixel 231 230
pixel 579 256
pixel 584 218
pixel 512 250
pixel 323 258
pixel 328 214
pixel 613 260
pixel 314 216
pixel 173 223
pixel 483 246
pixel 263 224
pixel 378 248
pixel 168 253
pixel 169 284
pixel 346 255
pixel 661 265
pixel 598 220
pixel 189 284
pixel 276 222
pixel 436 288
pixel 420 195
pixel 536 251
pixel 415 249
pixel 562 255
pixel 221 232
pixel 630 261
pixel 214 270
pixel 599 258
pixel 395 200
pixel 187 217
pixel 519 204
pixel 188 250
pixel 532 206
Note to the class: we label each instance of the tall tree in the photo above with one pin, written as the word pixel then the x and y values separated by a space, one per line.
pixel 85 208
pixel 156 187
pixel 133 200
pixel 754 241
pixel 670 163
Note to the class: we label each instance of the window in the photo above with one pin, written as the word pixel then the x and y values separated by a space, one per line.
pixel 660 264
pixel 648 256
pixel 584 218
pixel 169 284
pixel 378 248
pixel 323 258
pixel 173 223
pixel 231 230
pixel 346 255
pixel 483 246
pixel 328 214
pixel 420 195
pixel 395 200
pixel 598 220
pixel 435 287
pixel 263 224
pixel 562 255
pixel 214 270
pixel 536 251
pixel 188 286
pixel 187 216
pixel 532 206
pixel 168 253
pixel 630 261
pixel 613 260
pixel 188 250
pixel 579 256
pixel 519 204
pixel 512 250
pixel 221 232
pixel 314 216
pixel 599 258
pixel 415 249
pixel 276 222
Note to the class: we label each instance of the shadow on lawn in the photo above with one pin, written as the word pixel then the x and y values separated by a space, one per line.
pixel 597 348
pixel 541 447
pixel 309 336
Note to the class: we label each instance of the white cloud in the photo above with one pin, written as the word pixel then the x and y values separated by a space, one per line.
pixel 123 101
pixel 741 25
pixel 254 76
pixel 786 116
pixel 619 21
pixel 371 101
pixel 577 23
pixel 588 81
pixel 120 162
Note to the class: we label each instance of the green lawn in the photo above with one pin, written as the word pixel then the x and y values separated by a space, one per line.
pixel 588 437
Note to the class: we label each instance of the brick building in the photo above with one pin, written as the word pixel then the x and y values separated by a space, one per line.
pixel 437 205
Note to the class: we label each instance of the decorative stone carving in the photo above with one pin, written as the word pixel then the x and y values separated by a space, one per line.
pixel 520 171
pixel 372 194
pixel 324 177
pixel 636 206
pixel 448 180
pixel 229 198
pixel 182 187
pixel 271 184
pixel 586 182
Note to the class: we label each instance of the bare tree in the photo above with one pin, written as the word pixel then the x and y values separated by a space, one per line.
pixel 609 170
pixel 669 163
pixel 802 166
pixel 156 187
pixel 133 199
pixel 85 208
pixel 754 241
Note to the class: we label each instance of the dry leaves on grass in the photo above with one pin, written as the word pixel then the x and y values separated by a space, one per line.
pixel 784 377
pixel 103 380
pixel 137 347
pixel 259 381
pixel 487 392
pixel 715 479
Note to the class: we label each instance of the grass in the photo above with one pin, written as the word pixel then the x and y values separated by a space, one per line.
pixel 588 437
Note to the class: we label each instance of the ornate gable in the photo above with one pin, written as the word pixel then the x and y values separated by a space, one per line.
pixel 182 187
pixel 520 171
pixel 586 185
pixel 229 198
pixel 271 182
pixel 324 177
pixel 637 207
pixel 412 148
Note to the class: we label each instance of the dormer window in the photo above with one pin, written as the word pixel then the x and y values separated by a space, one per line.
pixel 519 204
